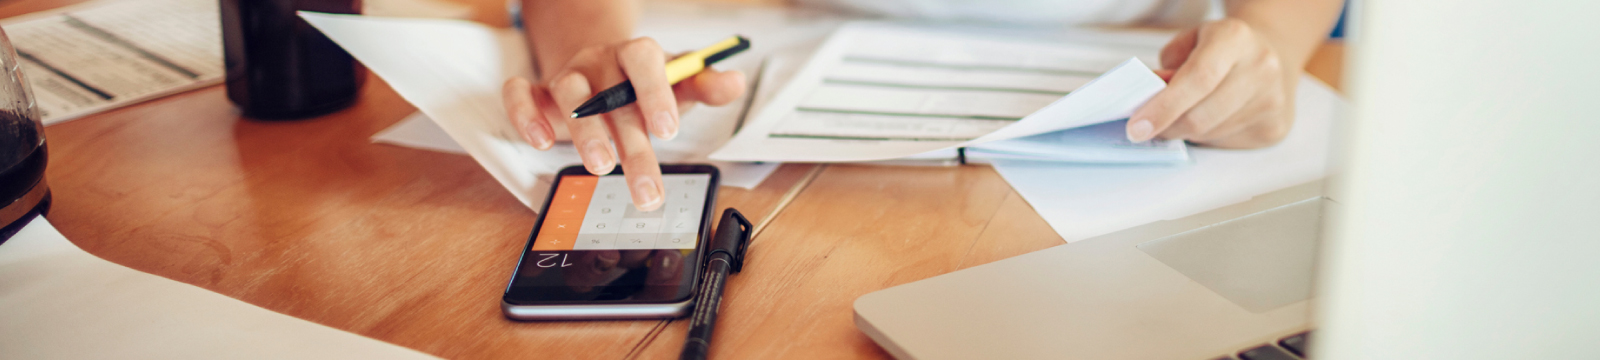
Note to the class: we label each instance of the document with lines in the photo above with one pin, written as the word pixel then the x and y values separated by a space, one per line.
pixel 882 91
pixel 105 54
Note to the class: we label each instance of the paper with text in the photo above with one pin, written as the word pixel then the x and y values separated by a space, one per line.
pixel 106 54
pixel 877 91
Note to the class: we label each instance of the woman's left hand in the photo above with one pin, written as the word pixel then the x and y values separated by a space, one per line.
pixel 1229 89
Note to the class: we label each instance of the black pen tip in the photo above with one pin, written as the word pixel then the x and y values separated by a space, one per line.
pixel 594 106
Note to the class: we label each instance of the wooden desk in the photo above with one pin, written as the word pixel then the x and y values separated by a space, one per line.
pixel 413 247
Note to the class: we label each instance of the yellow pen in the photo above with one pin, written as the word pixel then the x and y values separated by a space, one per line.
pixel 678 69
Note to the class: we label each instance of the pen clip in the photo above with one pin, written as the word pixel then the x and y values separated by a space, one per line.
pixel 732 237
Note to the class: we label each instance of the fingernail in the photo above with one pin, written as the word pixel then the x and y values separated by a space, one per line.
pixel 544 141
pixel 599 157
pixel 646 193
pixel 666 125
pixel 541 139
pixel 1140 130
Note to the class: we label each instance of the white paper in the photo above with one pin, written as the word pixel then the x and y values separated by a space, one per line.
pixel 418 131
pixel 1081 201
pixel 60 302
pixel 102 55
pixel 452 71
pixel 880 91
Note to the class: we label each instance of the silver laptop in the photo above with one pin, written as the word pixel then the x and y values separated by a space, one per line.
pixel 1465 225
pixel 1205 286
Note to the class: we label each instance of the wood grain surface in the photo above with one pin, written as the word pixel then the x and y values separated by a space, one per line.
pixel 310 219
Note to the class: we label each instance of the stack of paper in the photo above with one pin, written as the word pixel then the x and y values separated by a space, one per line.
pixel 878 91
pixel 1085 201
pixel 1052 170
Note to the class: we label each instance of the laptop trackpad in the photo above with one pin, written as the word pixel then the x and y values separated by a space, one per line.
pixel 1260 261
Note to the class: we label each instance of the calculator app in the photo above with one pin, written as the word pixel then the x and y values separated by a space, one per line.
pixel 597 213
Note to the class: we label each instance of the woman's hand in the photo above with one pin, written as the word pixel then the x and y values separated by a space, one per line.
pixel 535 109
pixel 1230 89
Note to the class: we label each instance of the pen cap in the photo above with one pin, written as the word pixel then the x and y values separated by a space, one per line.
pixel 741 44
pixel 732 237
pixel 692 63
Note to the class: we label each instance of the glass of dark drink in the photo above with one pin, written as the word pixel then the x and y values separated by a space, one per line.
pixel 23 192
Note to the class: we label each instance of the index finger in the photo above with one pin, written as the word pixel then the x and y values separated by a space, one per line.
pixel 1204 70
pixel 639 165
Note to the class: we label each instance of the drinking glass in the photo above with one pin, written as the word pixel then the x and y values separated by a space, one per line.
pixel 23 192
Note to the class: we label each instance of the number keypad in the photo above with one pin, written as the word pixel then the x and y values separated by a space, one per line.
pixel 597 213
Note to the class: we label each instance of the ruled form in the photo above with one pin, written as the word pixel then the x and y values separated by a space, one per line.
pixel 887 91
pixel 106 54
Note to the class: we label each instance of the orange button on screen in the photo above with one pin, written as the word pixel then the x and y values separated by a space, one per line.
pixel 565 214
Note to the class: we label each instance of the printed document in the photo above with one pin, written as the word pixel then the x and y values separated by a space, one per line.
pixel 102 55
pixel 881 91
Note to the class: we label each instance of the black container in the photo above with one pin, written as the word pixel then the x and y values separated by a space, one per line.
pixel 279 67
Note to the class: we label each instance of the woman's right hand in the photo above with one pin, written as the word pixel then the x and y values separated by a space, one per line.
pixel 535 109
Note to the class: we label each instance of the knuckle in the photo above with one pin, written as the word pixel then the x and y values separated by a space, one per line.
pixel 1229 27
pixel 588 53
pixel 570 80
pixel 644 42
pixel 1269 62
pixel 643 46
pixel 1209 74
pixel 636 152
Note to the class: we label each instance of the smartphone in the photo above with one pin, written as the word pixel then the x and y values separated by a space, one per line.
pixel 593 255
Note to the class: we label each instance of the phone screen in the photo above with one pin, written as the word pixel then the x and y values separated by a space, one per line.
pixel 593 244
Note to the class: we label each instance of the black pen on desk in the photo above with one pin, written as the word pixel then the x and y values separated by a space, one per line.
pixel 726 256
pixel 678 69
